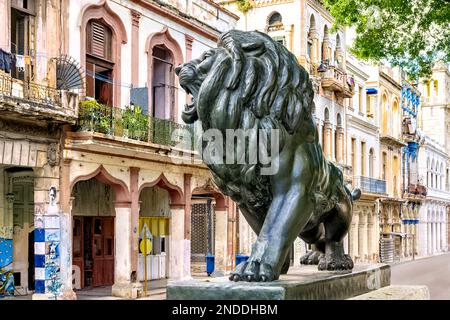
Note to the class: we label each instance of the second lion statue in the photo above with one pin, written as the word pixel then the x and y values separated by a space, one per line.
pixel 251 81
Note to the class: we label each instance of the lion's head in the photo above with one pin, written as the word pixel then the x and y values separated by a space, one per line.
pixel 248 79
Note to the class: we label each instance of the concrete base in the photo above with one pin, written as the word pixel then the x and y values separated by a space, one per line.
pixel 397 293
pixel 69 295
pixel 43 296
pixel 128 290
pixel 301 283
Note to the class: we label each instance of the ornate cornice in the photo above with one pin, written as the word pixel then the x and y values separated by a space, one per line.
pixel 267 3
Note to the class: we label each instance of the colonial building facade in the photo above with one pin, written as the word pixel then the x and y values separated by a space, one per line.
pixel 90 181
pixel 363 156
pixel 304 27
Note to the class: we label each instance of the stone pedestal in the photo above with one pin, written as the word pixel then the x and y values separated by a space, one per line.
pixel 301 283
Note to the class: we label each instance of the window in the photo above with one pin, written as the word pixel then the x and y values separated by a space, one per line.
pixel 99 65
pixel 360 100
pixel 274 22
pixel 353 155
pixel 23 37
pixel 163 83
pixel 436 88
pixel 368 107
pixel 363 158
pixel 371 161
pixel 384 166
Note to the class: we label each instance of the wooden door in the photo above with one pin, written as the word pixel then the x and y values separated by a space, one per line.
pixel 103 251
pixel 78 247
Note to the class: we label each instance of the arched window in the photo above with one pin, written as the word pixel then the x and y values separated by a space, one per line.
pixel 384 116
pixel 274 22
pixel 163 83
pixel 432 174
pixel 395 116
pixel 326 115
pixel 436 88
pixel 337 52
pixel 428 88
pixel 371 162
pixel 163 54
pixel 326 46
pixel 311 45
pixel 99 64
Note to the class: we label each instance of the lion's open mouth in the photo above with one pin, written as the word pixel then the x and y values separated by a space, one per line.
pixel 189 114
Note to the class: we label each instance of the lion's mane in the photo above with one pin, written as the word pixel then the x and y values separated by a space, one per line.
pixel 256 83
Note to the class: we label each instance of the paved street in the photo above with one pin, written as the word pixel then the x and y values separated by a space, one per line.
pixel 433 272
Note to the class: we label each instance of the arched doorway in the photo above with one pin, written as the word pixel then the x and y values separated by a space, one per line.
pixel 154 218
pixel 208 228
pixel 93 245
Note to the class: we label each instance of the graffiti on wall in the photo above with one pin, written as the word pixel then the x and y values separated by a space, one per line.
pixel 6 260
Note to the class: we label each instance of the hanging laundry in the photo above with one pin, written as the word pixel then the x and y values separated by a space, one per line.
pixel 27 60
pixel 5 61
pixel 20 63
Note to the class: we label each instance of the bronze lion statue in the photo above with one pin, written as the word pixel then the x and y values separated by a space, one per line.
pixel 251 81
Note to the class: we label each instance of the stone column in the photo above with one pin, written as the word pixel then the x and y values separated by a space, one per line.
pixel 340 147
pixel 315 48
pixel 179 247
pixel 66 202
pixel 370 239
pixel 429 239
pixel 433 234
pixel 354 236
pixel 123 286
pixel 327 140
pixel 362 236
pixel 438 237
pixel 288 31
pixel 443 236
pixel 135 208
pixel 135 17
pixel 220 239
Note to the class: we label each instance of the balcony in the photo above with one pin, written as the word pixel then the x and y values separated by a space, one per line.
pixel 336 80
pixel 32 102
pixel 370 185
pixel 417 189
pixel 132 126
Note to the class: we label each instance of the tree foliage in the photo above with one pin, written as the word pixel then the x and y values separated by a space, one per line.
pixel 412 34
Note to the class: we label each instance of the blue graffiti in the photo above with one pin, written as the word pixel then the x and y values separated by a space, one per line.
pixel 6 274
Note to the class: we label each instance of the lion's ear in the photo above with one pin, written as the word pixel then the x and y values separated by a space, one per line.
pixel 254 48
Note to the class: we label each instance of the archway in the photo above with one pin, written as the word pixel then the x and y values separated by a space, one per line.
pixel 208 227
pixel 103 14
pixel 97 229
pixel 384 116
pixel 163 55
pixel 93 245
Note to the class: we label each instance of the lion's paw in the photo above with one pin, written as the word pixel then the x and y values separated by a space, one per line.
pixel 253 271
pixel 311 257
pixel 334 263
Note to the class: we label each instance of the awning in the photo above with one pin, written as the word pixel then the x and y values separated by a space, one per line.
pixel 372 91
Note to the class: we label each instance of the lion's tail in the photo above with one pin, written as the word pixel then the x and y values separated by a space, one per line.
pixel 356 194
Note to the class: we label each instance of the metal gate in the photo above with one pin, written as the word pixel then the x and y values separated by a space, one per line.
pixel 202 231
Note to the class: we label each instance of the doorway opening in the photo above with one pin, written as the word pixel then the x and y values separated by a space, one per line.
pixel 93 234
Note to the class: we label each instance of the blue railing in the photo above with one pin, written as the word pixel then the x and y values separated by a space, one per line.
pixel 371 185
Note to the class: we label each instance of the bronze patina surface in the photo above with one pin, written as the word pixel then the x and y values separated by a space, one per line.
pixel 251 81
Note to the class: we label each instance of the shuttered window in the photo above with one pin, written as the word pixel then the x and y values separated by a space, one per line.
pixel 99 40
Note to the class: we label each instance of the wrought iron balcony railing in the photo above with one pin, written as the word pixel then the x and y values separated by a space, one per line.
pixel 44 99
pixel 131 123
pixel 370 185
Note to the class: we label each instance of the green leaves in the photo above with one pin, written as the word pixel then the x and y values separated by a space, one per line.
pixel 412 34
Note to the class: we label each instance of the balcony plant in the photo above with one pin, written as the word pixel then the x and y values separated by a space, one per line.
pixel 94 116
pixel 134 123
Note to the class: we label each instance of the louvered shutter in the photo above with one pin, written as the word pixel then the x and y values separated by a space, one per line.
pixel 100 38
